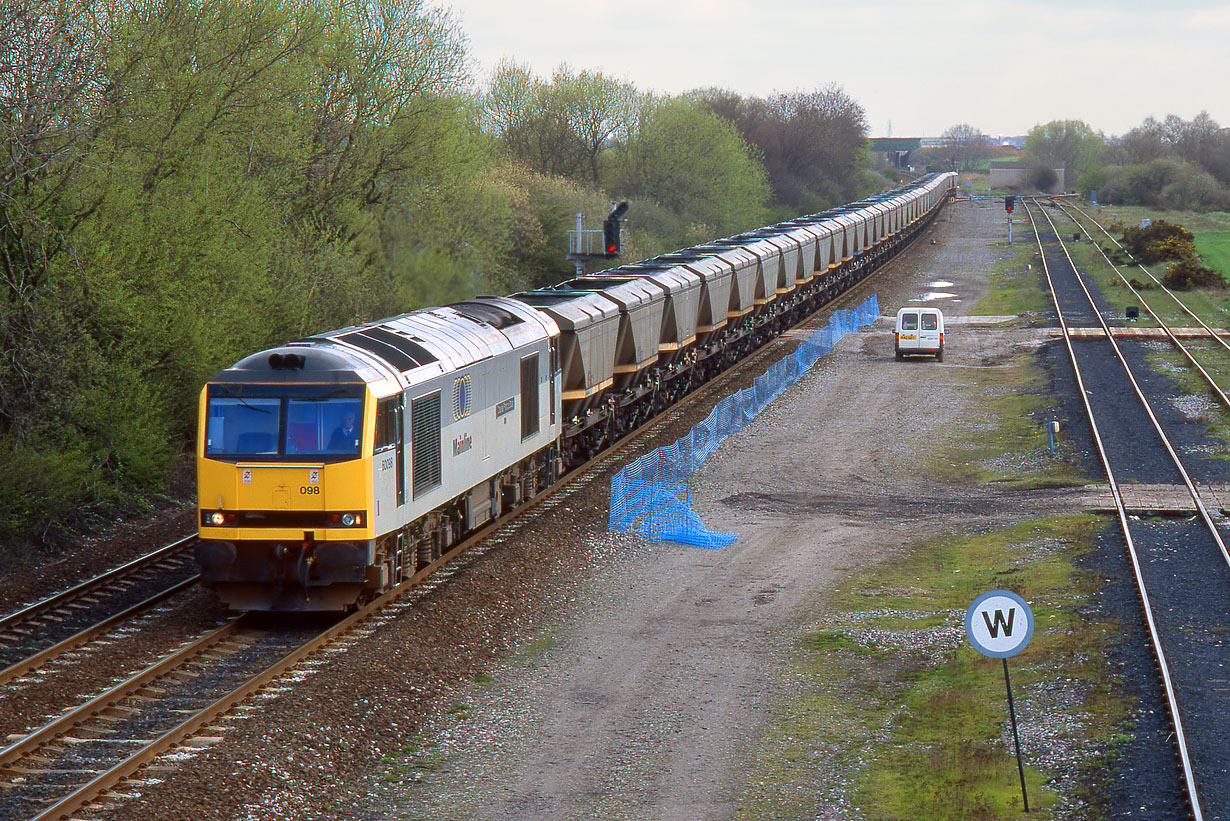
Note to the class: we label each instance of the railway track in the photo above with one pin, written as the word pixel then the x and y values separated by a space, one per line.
pixel 66 765
pixel 1181 569
pixel 92 751
pixel 45 630
pixel 1216 337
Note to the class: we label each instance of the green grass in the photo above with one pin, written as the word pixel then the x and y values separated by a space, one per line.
pixel 1212 306
pixel 1133 214
pixel 973 180
pixel 1216 361
pixel 915 719
pixel 1017 285
pixel 1214 249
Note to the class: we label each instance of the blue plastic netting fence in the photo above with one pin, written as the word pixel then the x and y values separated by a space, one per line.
pixel 650 497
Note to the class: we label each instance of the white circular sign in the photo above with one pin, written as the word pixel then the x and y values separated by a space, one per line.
pixel 999 624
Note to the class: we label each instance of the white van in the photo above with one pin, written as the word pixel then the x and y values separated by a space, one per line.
pixel 920 330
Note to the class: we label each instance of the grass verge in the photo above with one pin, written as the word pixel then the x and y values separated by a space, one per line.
pixel 1009 446
pixel 893 714
pixel 1214 249
pixel 1017 285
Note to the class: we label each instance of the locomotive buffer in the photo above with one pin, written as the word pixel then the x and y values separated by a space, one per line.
pixel 583 242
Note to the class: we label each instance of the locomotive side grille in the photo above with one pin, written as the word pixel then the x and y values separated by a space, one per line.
pixel 425 442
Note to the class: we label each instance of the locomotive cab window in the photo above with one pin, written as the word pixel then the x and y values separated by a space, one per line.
pixel 387 418
pixel 243 426
pixel 320 426
pixel 529 396
pixel 301 422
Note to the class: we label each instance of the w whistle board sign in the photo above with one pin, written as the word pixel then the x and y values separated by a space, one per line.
pixel 999 624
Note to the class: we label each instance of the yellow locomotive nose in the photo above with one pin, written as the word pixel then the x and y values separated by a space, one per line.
pixel 280 487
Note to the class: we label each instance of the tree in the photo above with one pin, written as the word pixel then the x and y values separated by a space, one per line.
pixel 688 159
pixel 1070 144
pixel 185 182
pixel 813 144
pixel 558 126
pixel 964 146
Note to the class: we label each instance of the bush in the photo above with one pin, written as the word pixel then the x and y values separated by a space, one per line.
pixel 1165 182
pixel 1160 241
pixel 1189 273
pixel 1041 177
pixel 46 490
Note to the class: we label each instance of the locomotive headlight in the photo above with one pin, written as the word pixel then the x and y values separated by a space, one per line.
pixel 348 519
pixel 216 518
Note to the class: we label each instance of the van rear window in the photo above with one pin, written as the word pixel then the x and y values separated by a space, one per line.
pixel 930 322
pixel 909 322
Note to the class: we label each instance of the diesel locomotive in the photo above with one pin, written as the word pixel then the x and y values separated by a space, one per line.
pixel 332 468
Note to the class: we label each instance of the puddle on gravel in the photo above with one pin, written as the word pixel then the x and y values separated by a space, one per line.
pixel 932 295
pixel 940 283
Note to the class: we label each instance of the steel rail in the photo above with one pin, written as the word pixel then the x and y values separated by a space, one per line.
pixel 1170 334
pixel 89 792
pixel 77 716
pixel 76 640
pixel 65 596
pixel 1213 333
pixel 1154 637
pixel 1203 511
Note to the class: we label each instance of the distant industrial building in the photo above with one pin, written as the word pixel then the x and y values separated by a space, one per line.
pixel 896 150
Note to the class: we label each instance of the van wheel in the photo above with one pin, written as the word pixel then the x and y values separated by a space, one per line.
pixel 900 355
pixel 939 356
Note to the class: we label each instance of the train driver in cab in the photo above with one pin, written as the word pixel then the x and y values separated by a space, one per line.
pixel 345 438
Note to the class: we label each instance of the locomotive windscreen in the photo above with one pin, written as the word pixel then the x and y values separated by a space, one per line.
pixel 284 422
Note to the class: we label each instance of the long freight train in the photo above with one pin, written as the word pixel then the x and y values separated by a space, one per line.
pixel 331 468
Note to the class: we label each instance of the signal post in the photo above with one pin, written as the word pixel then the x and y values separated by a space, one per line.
pixel 582 240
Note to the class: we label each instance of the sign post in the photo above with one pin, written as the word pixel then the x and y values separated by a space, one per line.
pixel 999 624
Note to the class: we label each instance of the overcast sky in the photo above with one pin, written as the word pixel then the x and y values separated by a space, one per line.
pixel 1002 67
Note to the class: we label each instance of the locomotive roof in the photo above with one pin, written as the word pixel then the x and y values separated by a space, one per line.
pixel 431 340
